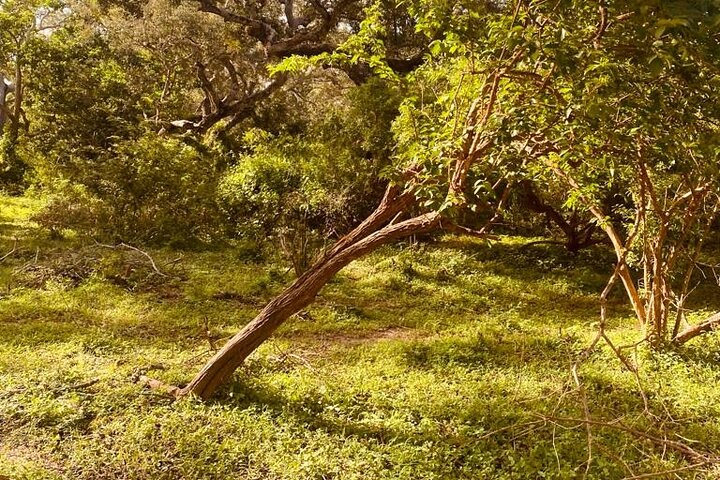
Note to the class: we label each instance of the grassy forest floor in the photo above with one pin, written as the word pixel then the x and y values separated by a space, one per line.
pixel 450 359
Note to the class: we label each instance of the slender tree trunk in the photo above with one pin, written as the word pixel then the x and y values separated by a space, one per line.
pixel 3 88
pixel 624 272
pixel 364 239
pixel 619 246
pixel 17 107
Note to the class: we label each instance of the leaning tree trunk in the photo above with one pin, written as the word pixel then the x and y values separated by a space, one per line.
pixel 364 239
pixel 624 271
pixel 377 230
pixel 619 246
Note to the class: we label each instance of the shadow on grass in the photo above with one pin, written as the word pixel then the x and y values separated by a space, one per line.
pixel 123 320
pixel 540 258
pixel 492 351
pixel 319 412
pixel 424 298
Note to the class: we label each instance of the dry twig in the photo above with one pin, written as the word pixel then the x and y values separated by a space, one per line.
pixel 14 248
pixel 135 249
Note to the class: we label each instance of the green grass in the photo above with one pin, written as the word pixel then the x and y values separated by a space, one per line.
pixel 436 361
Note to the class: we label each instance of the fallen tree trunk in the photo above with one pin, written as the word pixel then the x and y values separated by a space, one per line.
pixel 364 239
pixel 693 331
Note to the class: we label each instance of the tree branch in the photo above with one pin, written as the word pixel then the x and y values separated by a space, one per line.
pixel 258 29
pixel 693 331
pixel 236 110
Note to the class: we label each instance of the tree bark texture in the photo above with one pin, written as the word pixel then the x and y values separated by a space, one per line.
pixel 376 230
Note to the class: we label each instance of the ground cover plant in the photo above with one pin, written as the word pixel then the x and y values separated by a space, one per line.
pixel 445 359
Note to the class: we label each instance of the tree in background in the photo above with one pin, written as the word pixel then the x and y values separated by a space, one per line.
pixel 22 24
pixel 107 174
pixel 225 50
pixel 130 71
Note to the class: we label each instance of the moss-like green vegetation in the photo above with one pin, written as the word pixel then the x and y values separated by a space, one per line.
pixel 449 359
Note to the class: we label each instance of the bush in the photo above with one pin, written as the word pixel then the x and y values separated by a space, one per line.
pixel 72 206
pixel 292 194
pixel 269 197
pixel 150 190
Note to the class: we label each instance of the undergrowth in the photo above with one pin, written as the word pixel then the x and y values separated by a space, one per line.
pixel 443 360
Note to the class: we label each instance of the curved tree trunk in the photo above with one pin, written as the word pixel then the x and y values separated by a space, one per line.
pixel 364 239
pixel 377 230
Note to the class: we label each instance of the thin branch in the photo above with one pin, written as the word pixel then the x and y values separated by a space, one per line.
pixel 459 229
pixel 142 252
pixel 77 386
pixel 14 248
pixel 207 87
pixel 618 425
pixel 261 30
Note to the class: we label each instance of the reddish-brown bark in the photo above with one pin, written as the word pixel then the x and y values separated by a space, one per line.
pixel 362 240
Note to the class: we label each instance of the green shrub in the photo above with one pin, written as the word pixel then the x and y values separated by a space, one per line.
pixel 12 166
pixel 290 194
pixel 149 190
